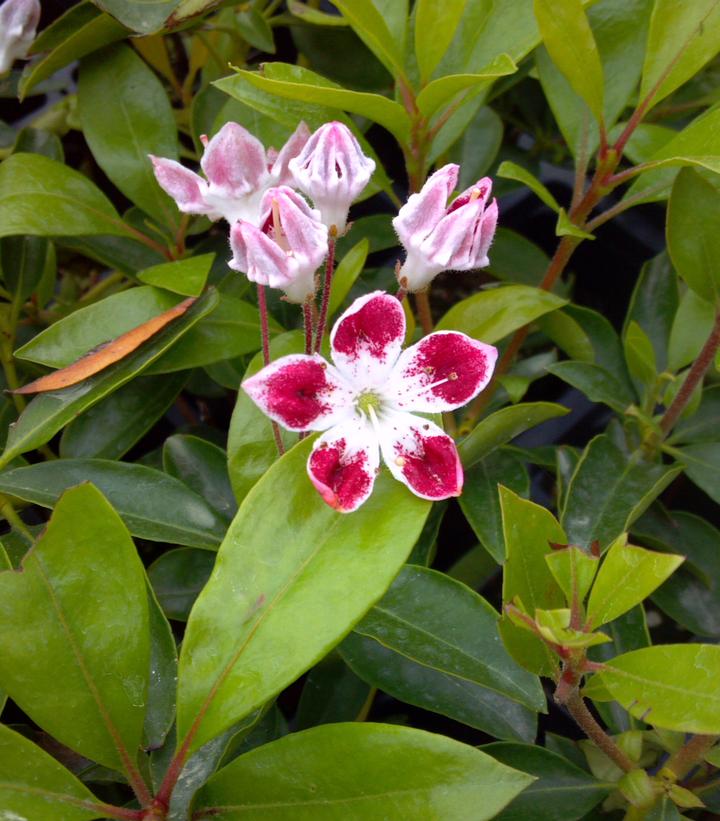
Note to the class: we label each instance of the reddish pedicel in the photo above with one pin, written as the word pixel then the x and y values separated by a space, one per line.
pixel 453 357
pixel 343 483
pixel 295 393
pixel 373 328
pixel 433 469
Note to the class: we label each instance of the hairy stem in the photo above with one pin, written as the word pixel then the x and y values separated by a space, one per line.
pixel 690 755
pixel 325 305
pixel 308 326
pixel 265 338
pixel 422 306
pixel 586 721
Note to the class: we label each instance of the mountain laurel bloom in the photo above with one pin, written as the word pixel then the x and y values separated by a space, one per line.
pixel 18 22
pixel 365 402
pixel 286 250
pixel 238 171
pixel 332 170
pixel 440 237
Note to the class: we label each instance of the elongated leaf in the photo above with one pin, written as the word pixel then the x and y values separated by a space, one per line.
pixel 702 465
pixel 348 270
pixel 373 30
pixel 513 171
pixel 48 413
pixel 595 382
pixel 501 426
pixel 433 642
pixel 434 31
pixel 42 197
pixel 162 681
pixel 332 693
pixel 291 601
pixel 704 424
pixel 184 276
pixel 608 491
pixel 177 578
pixel 672 686
pixel 25 261
pixel 144 16
pixel 33 784
pixel 139 122
pixel 378 770
pixel 691 328
pixel 497 312
pixel 152 504
pixel 80 671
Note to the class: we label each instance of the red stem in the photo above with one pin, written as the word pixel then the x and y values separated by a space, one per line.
pixel 265 336
pixel 308 326
pixel 329 270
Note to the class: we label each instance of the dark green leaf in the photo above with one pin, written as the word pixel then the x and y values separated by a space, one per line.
pixel 143 16
pixel 256 30
pixel 512 171
pixel 25 261
pixel 595 382
pixel 514 258
pixel 702 465
pixel 704 424
pixel 434 31
pixel 177 577
pixel 162 681
pixel 184 276
pixel 332 693
pixel 691 328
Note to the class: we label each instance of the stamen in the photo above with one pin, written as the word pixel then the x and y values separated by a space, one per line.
pixel 279 237
pixel 475 194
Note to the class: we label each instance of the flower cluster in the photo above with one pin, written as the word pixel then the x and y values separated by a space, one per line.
pixel 18 22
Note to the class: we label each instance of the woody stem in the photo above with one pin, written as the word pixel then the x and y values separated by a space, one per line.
pixel 265 339
pixel 324 307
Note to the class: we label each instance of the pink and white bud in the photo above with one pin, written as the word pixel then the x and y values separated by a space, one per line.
pixel 438 237
pixel 287 250
pixel 18 22
pixel 238 172
pixel 332 170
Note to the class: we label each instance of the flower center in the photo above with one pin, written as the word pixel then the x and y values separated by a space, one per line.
pixel 368 401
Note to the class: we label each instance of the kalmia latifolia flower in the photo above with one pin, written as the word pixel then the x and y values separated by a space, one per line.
pixel 332 170
pixel 286 250
pixel 18 21
pixel 238 171
pixel 441 237
pixel 365 402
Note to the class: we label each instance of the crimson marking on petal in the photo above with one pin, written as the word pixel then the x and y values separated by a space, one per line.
pixel 343 482
pixel 433 468
pixel 372 328
pixel 295 393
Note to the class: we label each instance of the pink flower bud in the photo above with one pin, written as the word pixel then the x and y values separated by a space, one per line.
pixel 18 21
pixel 438 237
pixel 332 170
pixel 287 250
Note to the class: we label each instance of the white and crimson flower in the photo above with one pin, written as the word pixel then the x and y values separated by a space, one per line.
pixel 332 170
pixel 18 21
pixel 364 402
pixel 286 250
pixel 441 237
pixel 238 171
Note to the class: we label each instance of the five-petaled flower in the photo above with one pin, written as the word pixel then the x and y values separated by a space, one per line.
pixel 286 250
pixel 238 170
pixel 18 21
pixel 332 170
pixel 364 402
pixel 440 237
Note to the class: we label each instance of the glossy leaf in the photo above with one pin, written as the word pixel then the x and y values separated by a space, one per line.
pixel 162 682
pixel 672 686
pixel 574 570
pixel 177 578
pixel 42 197
pixel 640 355
pixel 691 328
pixel 389 771
pixel 513 171
pixel 291 600
pixel 595 382
pixel 184 276
pixel 702 465
pixel 475 153
pixel 433 642
pixel 170 513
pixel 608 491
pixel 373 30
pixel 139 122
pixel 25 261
pixel 493 314
pixel 332 693
pixel 80 671
pixel 140 15
pixel 627 576
pixel 434 31
pixel 348 270
pixel 704 424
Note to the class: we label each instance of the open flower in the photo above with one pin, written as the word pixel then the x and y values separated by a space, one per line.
pixel 18 21
pixel 440 237
pixel 238 171
pixel 288 248
pixel 364 402
pixel 332 170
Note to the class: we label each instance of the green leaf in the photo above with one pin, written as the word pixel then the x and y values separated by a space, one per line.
pixel 680 42
pixel 568 334
pixel 570 42
pixel 111 427
pixel 25 262
pixel 690 330
pixel 370 26
pixel 480 503
pixel 628 575
pixel 528 530
pixel 348 270
pixel 595 382
pixel 608 491
pixel 332 693
pixel 396 772
pixel 139 122
pixel 33 784
pixel 434 31
pixel 143 16
pixel 574 570
pixel 692 236
pixel 704 424
pixel 256 29
pixel 513 171
pixel 183 276
pixel 515 258
pixel 314 16
pixel 566 228
pixel 504 425
pixel 443 91
pixel 702 465
pixel 640 355
pixel 49 412
pixel 171 513
pixel 80 672
pixel 493 314
pixel 672 686
pixel 78 32
pixel 475 153
pixel 554 626
pixel 162 677
pixel 432 642
pixel 177 578
pixel 562 791
pixel 42 197
pixel 275 586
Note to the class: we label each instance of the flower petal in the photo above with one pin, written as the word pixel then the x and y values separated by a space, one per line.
pixel 344 463
pixel 234 161
pixel 301 392
pixel 366 340
pixel 259 257
pixel 442 372
pixel 183 185
pixel 422 212
pixel 420 455
pixel 280 172
pixel 300 227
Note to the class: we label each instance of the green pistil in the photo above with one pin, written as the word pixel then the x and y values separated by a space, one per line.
pixel 367 401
